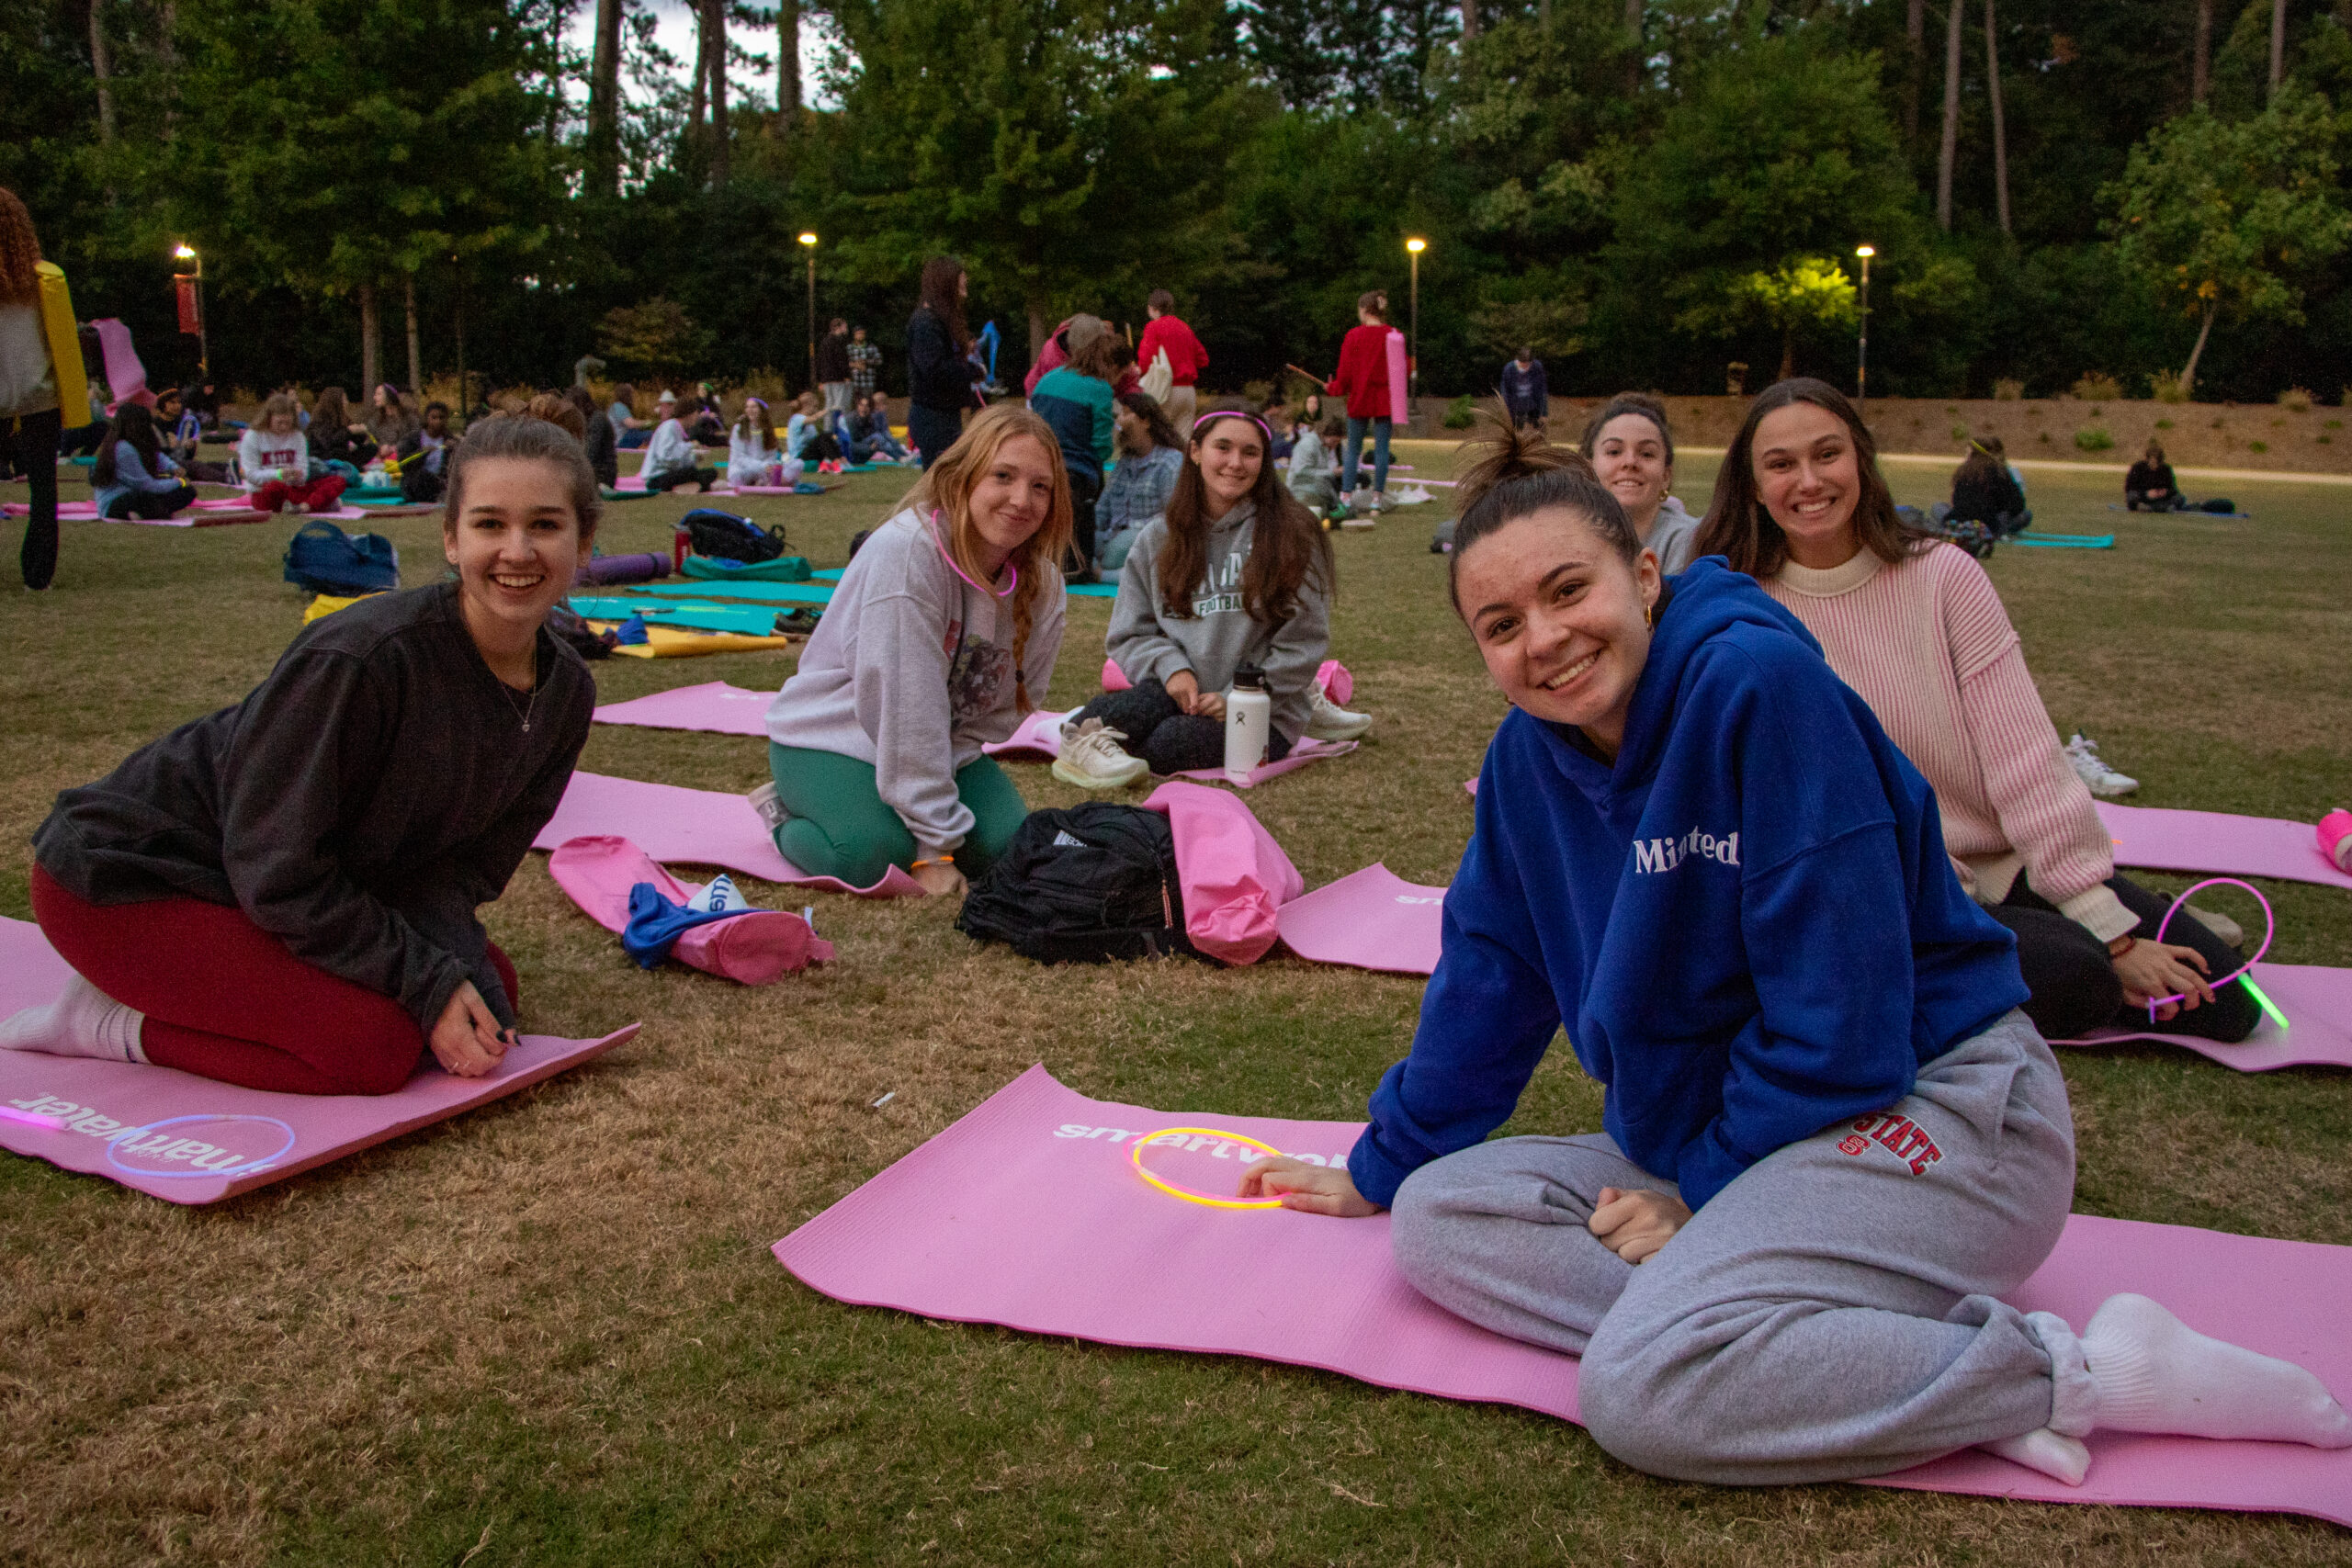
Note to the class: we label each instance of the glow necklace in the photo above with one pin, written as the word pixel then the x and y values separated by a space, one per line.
pixel 950 559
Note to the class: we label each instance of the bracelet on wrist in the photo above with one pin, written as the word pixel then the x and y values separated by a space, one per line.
pixel 2129 941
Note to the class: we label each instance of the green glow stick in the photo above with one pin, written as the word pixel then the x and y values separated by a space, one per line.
pixel 2268 1005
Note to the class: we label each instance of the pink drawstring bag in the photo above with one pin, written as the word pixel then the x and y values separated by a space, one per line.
pixel 1235 877
pixel 756 948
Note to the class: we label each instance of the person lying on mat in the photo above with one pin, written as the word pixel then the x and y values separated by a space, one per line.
pixel 1832 1139
pixel 1237 572
pixel 133 475
pixel 1916 626
pixel 281 894
pixel 940 637
pixel 1631 447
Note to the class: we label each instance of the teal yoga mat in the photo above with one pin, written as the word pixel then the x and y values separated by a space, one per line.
pixel 755 592
pixel 830 574
pixel 749 619
pixel 2064 541
pixel 1095 590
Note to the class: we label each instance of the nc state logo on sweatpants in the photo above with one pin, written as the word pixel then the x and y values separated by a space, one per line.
pixel 1909 1142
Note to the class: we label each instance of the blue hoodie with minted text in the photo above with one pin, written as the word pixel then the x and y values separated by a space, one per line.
pixel 1747 921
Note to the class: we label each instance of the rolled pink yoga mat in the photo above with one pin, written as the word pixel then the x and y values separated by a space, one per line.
pixel 1027 1213
pixel 189 1140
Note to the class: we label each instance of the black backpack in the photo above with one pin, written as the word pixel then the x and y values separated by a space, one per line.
pixel 729 537
pixel 1081 885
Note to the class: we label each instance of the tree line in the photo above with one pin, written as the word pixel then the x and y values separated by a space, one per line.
pixel 1650 192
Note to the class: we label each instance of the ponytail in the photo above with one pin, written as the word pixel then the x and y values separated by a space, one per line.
pixel 1515 472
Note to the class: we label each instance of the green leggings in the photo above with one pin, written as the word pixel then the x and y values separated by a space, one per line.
pixel 839 826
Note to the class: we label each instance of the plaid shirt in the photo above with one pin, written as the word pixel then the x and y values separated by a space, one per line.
pixel 865 366
pixel 1137 491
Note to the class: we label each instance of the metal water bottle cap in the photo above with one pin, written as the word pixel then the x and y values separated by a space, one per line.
pixel 1249 678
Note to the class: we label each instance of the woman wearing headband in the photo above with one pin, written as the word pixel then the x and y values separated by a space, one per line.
pixel 941 636
pixel 1236 573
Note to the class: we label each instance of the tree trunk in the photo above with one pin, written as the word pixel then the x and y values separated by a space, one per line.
pixel 367 335
pixel 2000 134
pixel 1037 329
pixel 787 61
pixel 167 54
pixel 416 347
pixel 2200 70
pixel 1469 19
pixel 102 67
pixel 2278 45
pixel 458 323
pixel 2189 371
pixel 1636 15
pixel 1915 70
pixel 695 97
pixel 603 102
pixel 1951 150
pixel 715 23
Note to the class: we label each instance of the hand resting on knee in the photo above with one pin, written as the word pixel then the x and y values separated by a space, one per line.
pixel 1634 1224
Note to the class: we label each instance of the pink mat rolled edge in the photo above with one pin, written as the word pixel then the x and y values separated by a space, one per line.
pixel 715 706
pixel 101 1100
pixel 2162 839
pixel 198 516
pixel 691 827
pixel 956 1229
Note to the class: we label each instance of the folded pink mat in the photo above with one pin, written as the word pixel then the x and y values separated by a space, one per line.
pixel 1372 919
pixel 755 948
pixel 2164 840
pixel 189 1140
pixel 713 706
pixel 2317 1002
pixel 690 826
pixel 1028 1213
pixel 1038 738
pixel 1236 879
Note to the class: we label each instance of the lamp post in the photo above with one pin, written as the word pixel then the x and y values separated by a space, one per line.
pixel 195 282
pixel 1413 249
pixel 809 242
pixel 1863 350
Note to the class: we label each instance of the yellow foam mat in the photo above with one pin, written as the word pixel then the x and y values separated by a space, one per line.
pixel 674 642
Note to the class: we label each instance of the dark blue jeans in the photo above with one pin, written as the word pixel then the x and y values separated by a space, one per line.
pixel 1379 431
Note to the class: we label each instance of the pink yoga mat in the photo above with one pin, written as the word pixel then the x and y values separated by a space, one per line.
pixel 691 827
pixel 713 706
pixel 197 516
pixel 2162 840
pixel 1038 738
pixel 2317 1001
pixel 1027 1213
pixel 159 1130
pixel 1372 919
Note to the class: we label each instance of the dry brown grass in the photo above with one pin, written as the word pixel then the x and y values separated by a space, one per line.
pixel 551 1330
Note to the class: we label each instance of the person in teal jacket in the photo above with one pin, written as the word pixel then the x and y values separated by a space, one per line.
pixel 1074 399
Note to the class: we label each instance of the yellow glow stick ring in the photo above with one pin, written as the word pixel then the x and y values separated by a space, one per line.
pixel 1135 1157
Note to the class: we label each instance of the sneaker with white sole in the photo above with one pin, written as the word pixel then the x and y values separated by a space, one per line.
pixel 1326 721
pixel 764 802
pixel 2098 777
pixel 1091 758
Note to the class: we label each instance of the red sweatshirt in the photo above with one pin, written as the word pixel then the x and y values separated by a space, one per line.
pixel 1186 357
pixel 1363 378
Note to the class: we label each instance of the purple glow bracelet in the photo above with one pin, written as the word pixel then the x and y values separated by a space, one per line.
pixel 2270 917
pixel 959 571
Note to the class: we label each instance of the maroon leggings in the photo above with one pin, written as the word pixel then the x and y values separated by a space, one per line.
pixel 318 495
pixel 225 1000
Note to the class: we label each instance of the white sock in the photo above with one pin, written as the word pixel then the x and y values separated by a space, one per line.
pixel 2154 1374
pixel 2059 1458
pixel 84 1022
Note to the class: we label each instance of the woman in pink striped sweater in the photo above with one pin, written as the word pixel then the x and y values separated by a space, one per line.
pixel 1917 629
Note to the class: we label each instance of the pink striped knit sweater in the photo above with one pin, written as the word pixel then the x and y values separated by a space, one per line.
pixel 1926 644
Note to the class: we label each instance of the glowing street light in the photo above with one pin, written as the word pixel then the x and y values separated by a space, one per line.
pixel 1413 249
pixel 1863 350
pixel 809 242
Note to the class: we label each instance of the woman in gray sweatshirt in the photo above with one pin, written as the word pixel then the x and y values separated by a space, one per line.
pixel 1236 573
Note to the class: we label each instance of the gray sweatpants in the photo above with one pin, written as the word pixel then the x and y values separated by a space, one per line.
pixel 1829 1314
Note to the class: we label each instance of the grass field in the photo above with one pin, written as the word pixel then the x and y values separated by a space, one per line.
pixel 550 1331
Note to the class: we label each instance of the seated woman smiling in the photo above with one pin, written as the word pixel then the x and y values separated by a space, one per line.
pixel 1831 1139
pixel 281 894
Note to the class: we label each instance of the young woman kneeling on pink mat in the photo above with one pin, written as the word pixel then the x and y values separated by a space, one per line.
pixel 1832 1139
pixel 281 894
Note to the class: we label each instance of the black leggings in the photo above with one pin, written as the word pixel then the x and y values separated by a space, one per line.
pixel 2073 982
pixel 155 506
pixel 31 442
pixel 663 484
pixel 1168 739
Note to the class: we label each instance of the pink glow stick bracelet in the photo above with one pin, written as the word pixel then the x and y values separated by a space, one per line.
pixel 31 1119
pixel 2269 919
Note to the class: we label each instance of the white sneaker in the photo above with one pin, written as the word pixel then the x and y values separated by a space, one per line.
pixel 1091 758
pixel 2100 779
pixel 764 801
pixel 1326 721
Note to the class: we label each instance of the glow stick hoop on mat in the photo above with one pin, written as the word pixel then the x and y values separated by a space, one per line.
pixel 1134 1156
pixel 2270 921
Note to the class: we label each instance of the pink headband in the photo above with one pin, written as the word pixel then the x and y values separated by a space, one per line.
pixel 1263 429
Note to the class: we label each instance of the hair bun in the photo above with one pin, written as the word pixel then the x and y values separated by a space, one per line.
pixel 1500 451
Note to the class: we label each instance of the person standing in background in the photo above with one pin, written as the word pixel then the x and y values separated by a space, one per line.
pixel 1186 357
pixel 940 371
pixel 1362 380
pixel 1526 392
pixel 833 366
pixel 30 384
pixel 865 366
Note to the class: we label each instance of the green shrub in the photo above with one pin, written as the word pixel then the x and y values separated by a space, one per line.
pixel 2165 388
pixel 2295 399
pixel 2007 389
pixel 2097 387
pixel 1458 414
pixel 2163 424
pixel 2091 438
pixel 2258 446
pixel 1960 432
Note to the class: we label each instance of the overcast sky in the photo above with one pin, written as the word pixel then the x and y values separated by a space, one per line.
pixel 674 24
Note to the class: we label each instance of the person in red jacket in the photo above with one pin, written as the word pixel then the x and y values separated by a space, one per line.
pixel 1186 357
pixel 1362 380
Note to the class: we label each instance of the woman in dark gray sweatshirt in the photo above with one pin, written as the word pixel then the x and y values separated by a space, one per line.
pixel 281 894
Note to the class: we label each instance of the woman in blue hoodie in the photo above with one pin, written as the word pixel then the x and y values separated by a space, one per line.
pixel 1832 1139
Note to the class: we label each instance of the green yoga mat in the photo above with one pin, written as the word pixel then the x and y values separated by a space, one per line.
pixel 2064 541
pixel 749 619
pixel 784 568
pixel 361 493
pixel 755 592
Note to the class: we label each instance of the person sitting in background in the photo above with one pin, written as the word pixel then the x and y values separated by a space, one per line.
pixel 390 421
pixel 134 477
pixel 1074 399
pixel 1983 490
pixel 424 456
pixel 1150 456
pixel 335 436
pixel 282 895
pixel 596 436
pixel 204 401
pixel 869 427
pixel 2150 486
pixel 630 432
pixel 1630 449
pixel 806 434
pixel 1314 476
pixel 275 459
pixel 671 459
pixel 753 455
pixel 1527 394
pixel 703 420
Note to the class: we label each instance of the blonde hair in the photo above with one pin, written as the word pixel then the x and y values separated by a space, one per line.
pixel 946 488
pixel 281 404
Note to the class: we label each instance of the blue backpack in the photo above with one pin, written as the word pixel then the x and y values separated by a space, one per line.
pixel 324 560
